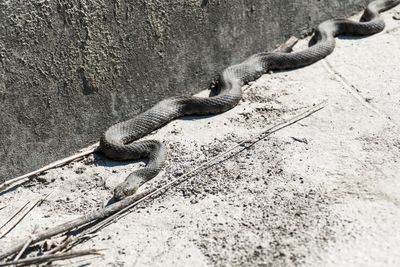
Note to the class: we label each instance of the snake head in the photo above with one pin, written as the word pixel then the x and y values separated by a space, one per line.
pixel 124 190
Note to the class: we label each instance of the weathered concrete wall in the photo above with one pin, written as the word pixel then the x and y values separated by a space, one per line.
pixel 69 69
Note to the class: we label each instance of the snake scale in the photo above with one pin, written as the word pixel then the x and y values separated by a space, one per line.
pixel 119 142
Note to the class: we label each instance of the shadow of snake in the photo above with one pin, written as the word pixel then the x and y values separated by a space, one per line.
pixel 118 141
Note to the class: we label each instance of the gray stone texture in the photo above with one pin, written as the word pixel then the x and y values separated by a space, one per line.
pixel 70 69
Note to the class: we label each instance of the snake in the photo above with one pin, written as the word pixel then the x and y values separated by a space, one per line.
pixel 122 142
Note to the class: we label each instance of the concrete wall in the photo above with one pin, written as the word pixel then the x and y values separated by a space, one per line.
pixel 69 69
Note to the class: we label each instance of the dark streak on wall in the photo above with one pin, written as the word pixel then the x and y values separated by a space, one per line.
pixel 69 69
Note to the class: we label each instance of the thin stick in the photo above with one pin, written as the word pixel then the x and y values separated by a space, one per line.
pixel 14 215
pixel 2 207
pixel 51 258
pixel 288 45
pixel 94 215
pixel 23 215
pixel 23 249
pixel 78 262
pixel 129 202
pixel 87 151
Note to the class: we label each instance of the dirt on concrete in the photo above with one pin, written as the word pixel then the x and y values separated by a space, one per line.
pixel 323 192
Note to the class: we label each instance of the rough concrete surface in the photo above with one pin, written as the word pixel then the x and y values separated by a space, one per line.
pixel 70 69
pixel 323 192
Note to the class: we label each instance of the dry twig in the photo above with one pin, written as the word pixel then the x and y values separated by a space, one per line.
pixel 51 258
pixel 288 45
pixel 22 216
pixel 87 151
pixel 27 244
pixel 14 215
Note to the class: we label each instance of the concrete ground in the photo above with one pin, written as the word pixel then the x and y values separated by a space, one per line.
pixel 323 192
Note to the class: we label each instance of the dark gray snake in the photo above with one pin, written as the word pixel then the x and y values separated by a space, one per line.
pixel 118 141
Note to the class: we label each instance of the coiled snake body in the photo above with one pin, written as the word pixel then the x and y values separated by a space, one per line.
pixel 118 141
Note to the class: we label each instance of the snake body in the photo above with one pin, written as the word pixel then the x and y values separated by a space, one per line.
pixel 118 141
